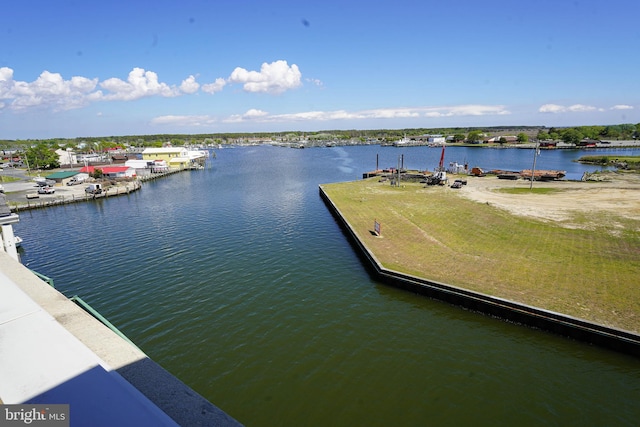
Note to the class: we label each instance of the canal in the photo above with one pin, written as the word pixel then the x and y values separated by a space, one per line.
pixel 238 281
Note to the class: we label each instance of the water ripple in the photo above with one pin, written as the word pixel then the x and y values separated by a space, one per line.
pixel 239 281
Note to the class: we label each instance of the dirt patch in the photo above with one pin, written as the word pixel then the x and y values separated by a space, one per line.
pixel 614 193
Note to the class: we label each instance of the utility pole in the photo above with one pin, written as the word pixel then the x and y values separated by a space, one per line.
pixel 536 152
pixel 26 159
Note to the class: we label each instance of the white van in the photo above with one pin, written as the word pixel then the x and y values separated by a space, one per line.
pixel 94 189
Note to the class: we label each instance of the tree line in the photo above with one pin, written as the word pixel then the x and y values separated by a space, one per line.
pixel 40 154
pixel 573 135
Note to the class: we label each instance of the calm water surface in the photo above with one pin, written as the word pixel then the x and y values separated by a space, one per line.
pixel 238 281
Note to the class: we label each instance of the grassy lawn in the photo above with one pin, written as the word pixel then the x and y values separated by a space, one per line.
pixel 536 190
pixel 436 234
pixel 632 162
pixel 5 178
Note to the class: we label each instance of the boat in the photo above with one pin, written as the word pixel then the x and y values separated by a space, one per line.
pixel 512 176
pixel 542 175
pixel 43 182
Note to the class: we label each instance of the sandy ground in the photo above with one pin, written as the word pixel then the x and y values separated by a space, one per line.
pixel 617 193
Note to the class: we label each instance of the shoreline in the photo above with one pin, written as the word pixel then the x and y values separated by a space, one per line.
pixel 48 200
pixel 20 195
pixel 505 308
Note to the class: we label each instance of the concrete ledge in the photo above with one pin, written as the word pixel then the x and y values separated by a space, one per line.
pixel 106 355
pixel 578 329
pixel 42 363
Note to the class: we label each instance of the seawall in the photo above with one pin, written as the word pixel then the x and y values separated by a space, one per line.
pixel 578 329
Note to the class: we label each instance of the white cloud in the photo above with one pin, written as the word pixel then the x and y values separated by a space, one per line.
pixel 189 85
pixel 251 114
pixel 470 110
pixel 274 78
pixel 139 84
pixel 176 120
pixel 6 73
pixel 255 113
pixel 576 108
pixel 214 87
pixel 312 115
pixel 581 108
pixel 391 113
pixel 622 107
pixel 49 89
pixel 552 108
pixel 394 113
pixel 52 90
pixel 6 82
pixel 260 116
pixel 315 82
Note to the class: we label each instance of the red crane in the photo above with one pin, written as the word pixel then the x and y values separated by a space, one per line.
pixel 441 164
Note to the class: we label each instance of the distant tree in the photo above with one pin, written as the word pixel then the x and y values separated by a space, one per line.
pixel 572 136
pixel 474 137
pixel 97 174
pixel 611 132
pixel 554 135
pixel 626 131
pixel 591 132
pixel 502 140
pixel 522 137
pixel 542 135
pixel 42 156
pixel 458 137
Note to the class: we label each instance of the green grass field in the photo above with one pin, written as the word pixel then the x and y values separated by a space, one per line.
pixel 434 233
pixel 632 162
pixel 8 179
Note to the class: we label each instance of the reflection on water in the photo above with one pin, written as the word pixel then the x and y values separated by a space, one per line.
pixel 237 280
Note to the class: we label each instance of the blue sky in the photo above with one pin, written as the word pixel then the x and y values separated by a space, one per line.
pixel 101 68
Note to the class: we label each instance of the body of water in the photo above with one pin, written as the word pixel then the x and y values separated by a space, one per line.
pixel 238 280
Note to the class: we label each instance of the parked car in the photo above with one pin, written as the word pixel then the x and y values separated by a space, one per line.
pixel 458 183
pixel 46 190
pixel 78 179
pixel 94 189
pixel 42 182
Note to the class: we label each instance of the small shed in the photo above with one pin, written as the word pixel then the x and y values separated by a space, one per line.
pixel 62 177
pixel 119 158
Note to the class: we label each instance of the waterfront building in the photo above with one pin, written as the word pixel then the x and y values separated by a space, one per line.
pixel 112 171
pixel 66 157
pixel 62 177
pixel 176 157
